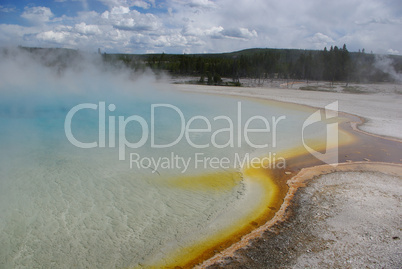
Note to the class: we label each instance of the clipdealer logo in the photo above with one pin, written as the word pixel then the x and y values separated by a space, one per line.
pixel 331 147
pixel 238 132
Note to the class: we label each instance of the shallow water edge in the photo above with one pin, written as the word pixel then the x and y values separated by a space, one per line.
pixel 366 152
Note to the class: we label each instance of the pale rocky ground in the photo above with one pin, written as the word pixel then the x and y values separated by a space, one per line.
pixel 340 220
pixel 343 219
pixel 358 216
pixel 379 104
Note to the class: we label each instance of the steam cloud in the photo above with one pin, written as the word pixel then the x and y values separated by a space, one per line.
pixel 58 77
pixel 386 65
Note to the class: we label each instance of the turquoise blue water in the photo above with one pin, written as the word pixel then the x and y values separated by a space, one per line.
pixel 62 206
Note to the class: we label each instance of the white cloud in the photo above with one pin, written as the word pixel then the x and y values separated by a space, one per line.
pixel 141 4
pixel 53 37
pixel 218 32
pixel 105 15
pixel 7 9
pixel 203 4
pixel 119 10
pixel 320 40
pixel 37 15
pixel 195 35
pixel 128 3
pixel 85 29
pixel 243 33
pixel 113 3
pixel 215 26
pixel 378 20
pixel 392 51
pixel 124 19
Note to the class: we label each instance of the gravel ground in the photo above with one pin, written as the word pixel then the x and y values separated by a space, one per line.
pixel 340 220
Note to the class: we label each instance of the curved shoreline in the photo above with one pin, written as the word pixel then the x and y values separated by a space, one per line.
pixel 296 182
pixel 355 127
pixel 306 174
pixel 196 89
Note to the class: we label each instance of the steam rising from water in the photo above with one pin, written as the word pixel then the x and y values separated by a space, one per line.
pixel 48 75
pixel 62 206
pixel 386 65
pixel 65 207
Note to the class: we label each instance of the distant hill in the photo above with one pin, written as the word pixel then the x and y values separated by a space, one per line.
pixel 331 64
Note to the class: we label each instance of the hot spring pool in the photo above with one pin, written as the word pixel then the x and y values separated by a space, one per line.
pixel 135 196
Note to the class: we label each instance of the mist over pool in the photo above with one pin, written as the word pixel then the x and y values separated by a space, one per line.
pixel 66 206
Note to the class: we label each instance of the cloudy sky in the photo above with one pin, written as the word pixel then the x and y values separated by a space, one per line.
pixel 197 26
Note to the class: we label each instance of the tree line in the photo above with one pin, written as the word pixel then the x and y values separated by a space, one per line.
pixel 333 64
